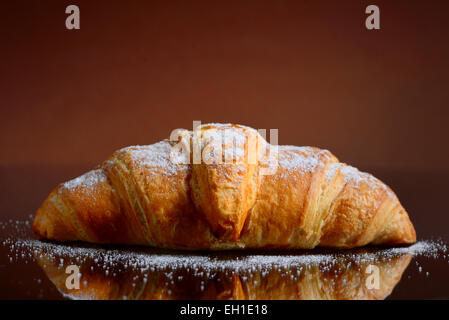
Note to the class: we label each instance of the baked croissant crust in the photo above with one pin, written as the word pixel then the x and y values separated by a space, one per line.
pixel 222 186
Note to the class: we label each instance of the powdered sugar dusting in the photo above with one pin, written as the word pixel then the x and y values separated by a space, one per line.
pixel 155 156
pixel 87 180
pixel 353 174
pixel 164 260
pixel 139 265
pixel 227 142
pixel 161 259
pixel 332 171
pixel 21 244
pixel 298 158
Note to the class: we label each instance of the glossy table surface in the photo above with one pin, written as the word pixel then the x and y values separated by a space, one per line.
pixel 32 269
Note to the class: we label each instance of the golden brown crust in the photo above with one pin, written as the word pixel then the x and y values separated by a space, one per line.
pixel 144 195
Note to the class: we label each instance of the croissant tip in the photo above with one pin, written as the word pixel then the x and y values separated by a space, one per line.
pixel 406 237
pixel 37 226
pixel 410 237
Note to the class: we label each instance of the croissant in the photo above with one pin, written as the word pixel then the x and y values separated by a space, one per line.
pixel 223 186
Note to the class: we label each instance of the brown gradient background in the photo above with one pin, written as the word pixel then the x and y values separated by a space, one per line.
pixel 379 100
pixel 138 69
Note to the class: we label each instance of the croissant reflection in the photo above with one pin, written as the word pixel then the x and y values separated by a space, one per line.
pixel 158 275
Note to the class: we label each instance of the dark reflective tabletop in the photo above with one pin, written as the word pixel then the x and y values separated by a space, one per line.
pixel 33 269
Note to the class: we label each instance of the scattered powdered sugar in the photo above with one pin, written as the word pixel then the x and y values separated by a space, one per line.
pixel 87 180
pixel 430 249
pixel 20 243
pixel 148 258
pixel 140 265
pixel 16 229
